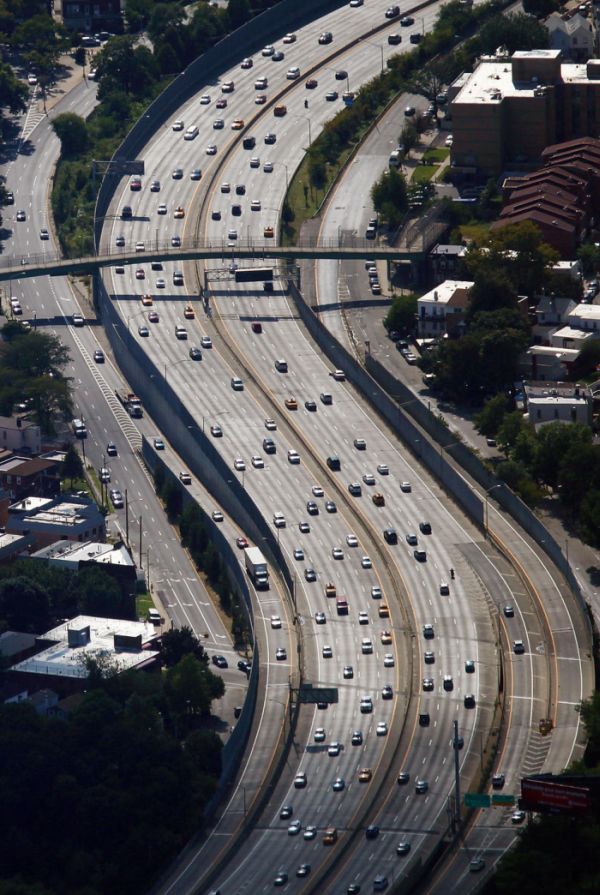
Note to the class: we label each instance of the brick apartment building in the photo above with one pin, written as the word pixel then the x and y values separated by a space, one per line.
pixel 509 109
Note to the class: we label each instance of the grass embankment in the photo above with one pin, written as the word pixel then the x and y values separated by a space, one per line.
pixel 330 151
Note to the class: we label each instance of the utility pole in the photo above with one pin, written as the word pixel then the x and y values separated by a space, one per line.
pixel 456 744
pixel 141 566
pixel 126 518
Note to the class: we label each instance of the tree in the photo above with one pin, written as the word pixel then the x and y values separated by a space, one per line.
pixel 180 642
pixel 554 442
pixel 72 132
pixel 409 137
pixel 512 426
pixel 519 251
pixel 579 473
pixel 13 94
pixel 402 315
pixel 389 196
pixel 513 31
pixel 431 79
pixel 121 66
pixel 589 255
pixel 35 353
pixel 98 593
pixel 72 467
pixel 238 12
pixel 50 400
pixel 489 420
pixel 190 688
pixel 491 292
pixel 24 605
pixel 589 517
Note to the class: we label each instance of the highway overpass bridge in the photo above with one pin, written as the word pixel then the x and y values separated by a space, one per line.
pixel 50 264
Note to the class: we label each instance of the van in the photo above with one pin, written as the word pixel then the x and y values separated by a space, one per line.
pixel 330 836
pixel 333 462
pixel 79 429
pixel 191 133
pixel 154 617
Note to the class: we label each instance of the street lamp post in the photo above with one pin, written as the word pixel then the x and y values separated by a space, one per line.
pixel 380 46
pixel 306 118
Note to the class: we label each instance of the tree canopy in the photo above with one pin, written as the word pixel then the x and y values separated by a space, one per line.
pixel 389 196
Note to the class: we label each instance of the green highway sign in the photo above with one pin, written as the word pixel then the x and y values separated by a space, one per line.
pixel 476 800
pixel 503 799
pixel 309 694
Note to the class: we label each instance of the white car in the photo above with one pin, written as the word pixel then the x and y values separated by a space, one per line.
pixel 383 469
pixel 293 73
pixel 275 621
pixel 299 554
pixel 363 617
pixel 206 342
pixel 205 99
pixel 352 540
pixel 388 660
pixel 268 167
pixel 258 462
pixel 279 520
pixel 366 562
pixel 368 478
pixel 239 464
pixel 317 491
pixel 337 553
pixel 268 50
pixel 293 457
pixel 211 149
pixel 382 729
pixel 406 487
pixel 255 162
pixel 289 38
pixel 178 125
pixel 310 832
pixel 319 736
pixel 449 140
pixel 376 592
pixel 333 749
pixel 255 205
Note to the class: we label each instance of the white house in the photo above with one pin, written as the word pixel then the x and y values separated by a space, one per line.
pixel 549 402
pixel 441 310
pixel 573 35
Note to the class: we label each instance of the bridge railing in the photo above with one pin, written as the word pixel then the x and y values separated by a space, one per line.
pixel 227 247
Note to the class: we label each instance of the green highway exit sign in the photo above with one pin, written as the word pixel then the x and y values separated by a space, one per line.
pixel 477 800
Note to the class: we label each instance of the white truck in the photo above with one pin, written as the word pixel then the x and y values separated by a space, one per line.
pixel 256 566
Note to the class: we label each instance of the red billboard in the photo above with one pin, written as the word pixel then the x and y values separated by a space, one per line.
pixel 546 796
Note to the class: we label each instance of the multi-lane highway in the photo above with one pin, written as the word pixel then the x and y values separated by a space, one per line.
pixel 419 680
pixel 243 197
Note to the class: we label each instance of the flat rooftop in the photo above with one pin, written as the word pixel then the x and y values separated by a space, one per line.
pixel 62 660
pixel 492 81
pixel 74 552
pixel 443 293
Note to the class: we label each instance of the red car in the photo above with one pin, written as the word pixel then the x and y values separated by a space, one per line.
pixel 242 543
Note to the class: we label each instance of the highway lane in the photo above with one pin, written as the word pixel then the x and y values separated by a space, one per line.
pixel 49 303
pixel 182 365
